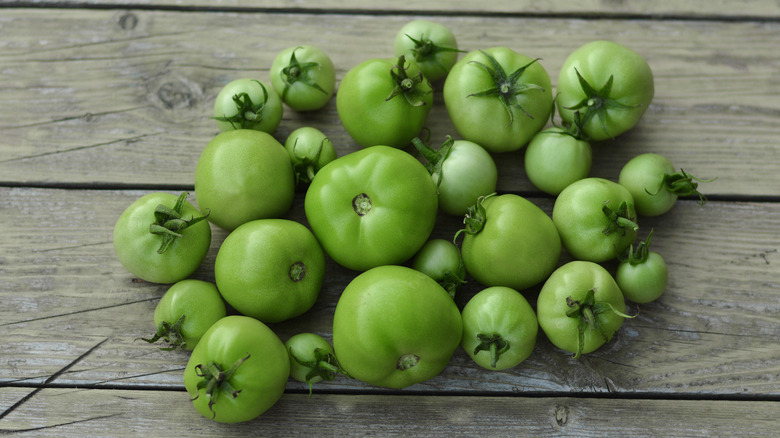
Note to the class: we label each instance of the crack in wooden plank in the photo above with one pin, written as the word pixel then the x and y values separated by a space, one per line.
pixel 107 242
pixel 87 116
pixel 67 423
pixel 78 148
pixel 49 380
pixel 58 315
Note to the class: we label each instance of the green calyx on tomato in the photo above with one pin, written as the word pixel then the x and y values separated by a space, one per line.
pixel 248 112
pixel 682 184
pixel 589 314
pixel 619 220
pixel 215 381
pixel 499 328
pixel 596 103
pixel 507 87
pixel 299 72
pixel 169 222
pixel 406 86
pixel 170 334
pixel 475 218
pixel 310 149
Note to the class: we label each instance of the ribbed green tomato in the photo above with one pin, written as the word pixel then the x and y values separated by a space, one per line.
pixel 394 327
pixel 498 98
pixel 609 84
pixel 376 206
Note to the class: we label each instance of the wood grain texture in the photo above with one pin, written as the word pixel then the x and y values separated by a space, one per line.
pixel 121 413
pixel 115 98
pixel 715 330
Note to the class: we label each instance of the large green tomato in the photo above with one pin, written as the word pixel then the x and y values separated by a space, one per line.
pixel 610 85
pixel 499 328
pixel 162 238
pixel 238 370
pixel 580 307
pixel 247 103
pixel 394 327
pixel 185 312
pixel 376 206
pixel 511 242
pixel 244 175
pixel 596 219
pixel 384 102
pixel 498 98
pixel 270 269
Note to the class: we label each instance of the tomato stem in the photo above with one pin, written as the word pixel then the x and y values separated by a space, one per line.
pixel 324 365
pixel 425 50
pixel 590 315
pixel 169 223
pixel 492 343
pixel 435 158
pixel 475 219
pixel 297 72
pixel 682 184
pixel 619 220
pixel 170 334
pixel 248 113
pixel 407 86
pixel 507 87
pixel 214 380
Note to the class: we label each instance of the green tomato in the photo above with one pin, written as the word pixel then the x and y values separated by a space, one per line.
pixel 238 370
pixel 498 98
pixel 595 218
pixel 312 359
pixel 580 307
pixel 608 84
pixel 384 102
pixel 499 328
pixel 185 312
pixel 372 207
pixel 394 327
pixel 509 241
pixel 310 149
pixel 304 77
pixel 270 269
pixel 463 171
pixel 642 275
pixel 431 45
pixel 244 175
pixel 248 104
pixel 440 259
pixel 555 159
pixel 161 238
pixel 655 185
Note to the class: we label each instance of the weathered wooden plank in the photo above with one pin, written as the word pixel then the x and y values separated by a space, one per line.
pixel 118 413
pixel 715 331
pixel 114 97
pixel 658 8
